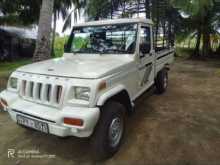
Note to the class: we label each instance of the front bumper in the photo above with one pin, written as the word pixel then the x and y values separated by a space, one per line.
pixel 52 116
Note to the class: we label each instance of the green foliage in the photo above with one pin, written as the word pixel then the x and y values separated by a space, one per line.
pixel 80 42
pixel 27 12
pixel 59 46
pixel 202 20
pixel 60 42
pixel 98 8
pixel 194 7
pixel 7 67
pixel 75 13
pixel 11 20
pixel 184 52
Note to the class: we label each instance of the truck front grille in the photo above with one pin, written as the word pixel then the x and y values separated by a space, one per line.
pixel 41 92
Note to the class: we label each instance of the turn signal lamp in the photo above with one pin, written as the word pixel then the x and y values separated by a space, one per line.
pixel 73 121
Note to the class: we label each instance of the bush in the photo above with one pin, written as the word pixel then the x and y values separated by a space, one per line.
pixel 59 46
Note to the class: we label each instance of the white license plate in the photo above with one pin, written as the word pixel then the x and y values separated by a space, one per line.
pixel 31 123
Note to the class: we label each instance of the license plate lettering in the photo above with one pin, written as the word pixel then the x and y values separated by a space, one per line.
pixel 31 123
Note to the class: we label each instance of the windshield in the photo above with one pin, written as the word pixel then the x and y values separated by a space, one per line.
pixel 107 39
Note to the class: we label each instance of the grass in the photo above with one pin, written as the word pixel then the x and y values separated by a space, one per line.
pixel 7 67
pixel 184 52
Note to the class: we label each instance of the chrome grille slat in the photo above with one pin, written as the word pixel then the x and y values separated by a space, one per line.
pixel 53 94
pixel 48 92
pixel 23 89
pixel 27 89
pixel 59 93
pixel 39 92
pixel 35 91
pixel 43 93
pixel 39 88
pixel 31 88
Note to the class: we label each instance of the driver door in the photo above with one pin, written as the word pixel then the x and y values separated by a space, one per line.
pixel 146 58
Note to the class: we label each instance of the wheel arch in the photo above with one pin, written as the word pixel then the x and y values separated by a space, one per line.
pixel 118 94
pixel 166 67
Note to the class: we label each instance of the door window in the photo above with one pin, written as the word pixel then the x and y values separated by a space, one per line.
pixel 145 41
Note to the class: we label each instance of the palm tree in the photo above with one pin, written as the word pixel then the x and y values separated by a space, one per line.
pixel 61 8
pixel 20 13
pixel 201 15
pixel 160 11
pixel 43 45
pixel 68 21
pixel 74 13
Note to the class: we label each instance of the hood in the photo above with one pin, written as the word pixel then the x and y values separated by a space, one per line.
pixel 80 66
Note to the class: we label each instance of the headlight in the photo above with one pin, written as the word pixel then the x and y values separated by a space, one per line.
pixel 82 93
pixel 13 83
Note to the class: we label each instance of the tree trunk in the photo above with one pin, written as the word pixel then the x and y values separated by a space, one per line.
pixel 170 37
pixel 157 25
pixel 206 50
pixel 218 50
pixel 112 9
pixel 184 43
pixel 189 43
pixel 164 33
pixel 147 9
pixel 54 33
pixel 43 45
pixel 198 42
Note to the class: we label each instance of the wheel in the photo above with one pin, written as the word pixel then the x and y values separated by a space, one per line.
pixel 161 81
pixel 109 131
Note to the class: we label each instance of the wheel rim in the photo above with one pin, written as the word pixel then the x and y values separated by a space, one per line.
pixel 115 131
pixel 165 82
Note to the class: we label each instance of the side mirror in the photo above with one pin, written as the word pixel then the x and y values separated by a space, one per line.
pixel 145 48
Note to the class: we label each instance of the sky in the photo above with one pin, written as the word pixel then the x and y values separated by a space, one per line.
pixel 60 24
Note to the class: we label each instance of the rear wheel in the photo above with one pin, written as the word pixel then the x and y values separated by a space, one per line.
pixel 110 130
pixel 161 81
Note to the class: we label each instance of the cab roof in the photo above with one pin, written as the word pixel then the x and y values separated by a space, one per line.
pixel 115 21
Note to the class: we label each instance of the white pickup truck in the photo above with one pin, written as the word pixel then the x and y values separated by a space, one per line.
pixel 89 91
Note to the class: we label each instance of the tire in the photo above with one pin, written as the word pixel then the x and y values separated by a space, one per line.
pixel 102 143
pixel 161 81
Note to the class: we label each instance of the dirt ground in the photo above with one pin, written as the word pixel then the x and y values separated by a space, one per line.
pixel 181 127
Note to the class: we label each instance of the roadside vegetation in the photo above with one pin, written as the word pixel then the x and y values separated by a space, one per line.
pixel 7 67
pixel 59 46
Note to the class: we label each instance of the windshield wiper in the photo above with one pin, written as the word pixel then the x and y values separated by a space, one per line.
pixel 115 50
pixel 88 50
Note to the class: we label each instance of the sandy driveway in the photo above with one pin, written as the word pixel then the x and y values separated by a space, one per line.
pixel 181 127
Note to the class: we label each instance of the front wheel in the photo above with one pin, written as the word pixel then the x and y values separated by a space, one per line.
pixel 161 81
pixel 109 132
